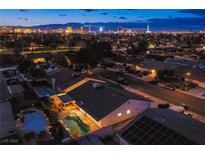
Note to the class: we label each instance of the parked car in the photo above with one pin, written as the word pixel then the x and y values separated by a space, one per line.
pixel 187 114
pixel 153 82
pixel 163 106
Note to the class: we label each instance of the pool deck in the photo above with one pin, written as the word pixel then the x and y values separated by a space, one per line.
pixel 70 111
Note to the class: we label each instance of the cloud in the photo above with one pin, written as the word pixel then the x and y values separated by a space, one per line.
pixel 20 18
pixel 104 13
pixel 23 10
pixel 123 18
pixel 62 15
pixel 199 12
pixel 89 10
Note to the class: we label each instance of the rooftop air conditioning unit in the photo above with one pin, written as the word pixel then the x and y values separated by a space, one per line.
pixel 96 85
pixel 81 102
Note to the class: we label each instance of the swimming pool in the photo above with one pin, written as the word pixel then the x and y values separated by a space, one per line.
pixel 75 126
pixel 33 121
pixel 43 91
pixel 42 88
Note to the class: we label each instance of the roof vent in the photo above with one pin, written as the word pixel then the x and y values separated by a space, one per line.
pixel 96 85
pixel 81 102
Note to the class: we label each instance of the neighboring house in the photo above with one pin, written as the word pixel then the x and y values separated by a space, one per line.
pixel 185 63
pixel 10 74
pixel 16 90
pixel 196 74
pixel 131 63
pixel 4 92
pixel 7 122
pixel 64 78
pixel 162 126
pixel 37 57
pixel 151 64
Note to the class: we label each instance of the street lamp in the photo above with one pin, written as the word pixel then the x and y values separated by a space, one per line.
pixel 188 74
pixel 153 73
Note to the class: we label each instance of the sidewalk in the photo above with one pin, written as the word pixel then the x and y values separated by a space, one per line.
pixel 192 93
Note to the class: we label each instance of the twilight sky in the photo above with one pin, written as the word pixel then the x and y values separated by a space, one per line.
pixel 158 18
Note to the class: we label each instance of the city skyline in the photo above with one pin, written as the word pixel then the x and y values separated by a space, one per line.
pixel 159 19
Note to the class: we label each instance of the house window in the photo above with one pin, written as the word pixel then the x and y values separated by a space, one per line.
pixel 119 114
pixel 128 111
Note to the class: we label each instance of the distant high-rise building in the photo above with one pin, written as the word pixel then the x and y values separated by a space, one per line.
pixel 69 29
pixel 60 30
pixel 89 29
pixel 27 30
pixel 79 29
pixel 120 29
pixel 17 30
pixel 4 29
pixel 101 29
pixel 148 30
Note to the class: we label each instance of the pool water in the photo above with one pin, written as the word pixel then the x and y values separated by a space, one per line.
pixel 44 91
pixel 76 126
pixel 33 122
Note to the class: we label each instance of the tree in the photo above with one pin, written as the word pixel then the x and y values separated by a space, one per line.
pixel 142 46
pixel 25 66
pixel 93 54
pixel 37 73
pixel 131 49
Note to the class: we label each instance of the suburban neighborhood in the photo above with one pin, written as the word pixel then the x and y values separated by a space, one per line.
pixel 82 85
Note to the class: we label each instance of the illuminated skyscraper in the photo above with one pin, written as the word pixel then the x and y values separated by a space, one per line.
pixel 89 29
pixel 69 29
pixel 27 30
pixel 79 30
pixel 17 30
pixel 148 30
pixel 101 29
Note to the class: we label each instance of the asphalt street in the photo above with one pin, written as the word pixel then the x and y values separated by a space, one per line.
pixel 195 104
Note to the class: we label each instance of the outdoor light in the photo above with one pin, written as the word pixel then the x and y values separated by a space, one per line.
pixel 119 114
pixel 188 73
pixel 128 111
pixel 153 71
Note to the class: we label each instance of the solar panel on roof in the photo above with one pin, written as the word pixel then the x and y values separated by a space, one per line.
pixel 147 131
